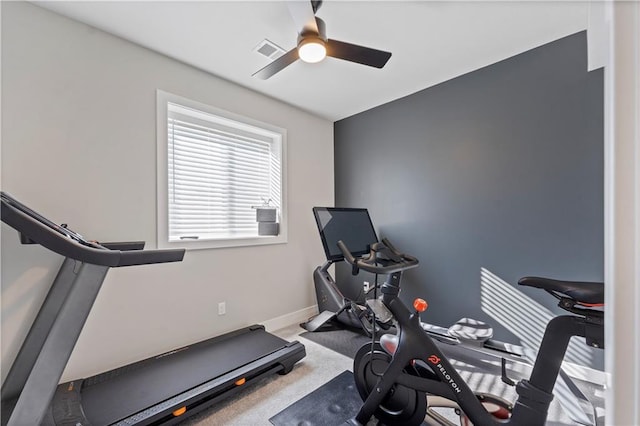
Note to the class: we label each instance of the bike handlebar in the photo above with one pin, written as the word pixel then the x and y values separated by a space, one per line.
pixel 395 260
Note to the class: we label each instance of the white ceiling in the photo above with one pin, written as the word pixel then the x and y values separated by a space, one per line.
pixel 431 41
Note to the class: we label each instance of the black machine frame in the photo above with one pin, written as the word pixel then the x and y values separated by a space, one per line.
pixel 31 394
pixel 332 304
pixel 414 343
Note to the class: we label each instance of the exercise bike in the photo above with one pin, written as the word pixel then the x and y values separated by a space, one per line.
pixel 402 376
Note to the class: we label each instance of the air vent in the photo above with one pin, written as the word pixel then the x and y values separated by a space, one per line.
pixel 269 49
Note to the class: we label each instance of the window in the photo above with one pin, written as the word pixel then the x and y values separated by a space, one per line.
pixel 214 169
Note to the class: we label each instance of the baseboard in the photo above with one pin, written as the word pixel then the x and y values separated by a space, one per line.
pixel 288 319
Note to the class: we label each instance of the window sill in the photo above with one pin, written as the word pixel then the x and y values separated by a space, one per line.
pixel 204 244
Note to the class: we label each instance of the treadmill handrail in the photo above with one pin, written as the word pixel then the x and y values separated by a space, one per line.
pixel 54 240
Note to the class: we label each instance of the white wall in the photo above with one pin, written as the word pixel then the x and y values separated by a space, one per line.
pixel 622 212
pixel 79 145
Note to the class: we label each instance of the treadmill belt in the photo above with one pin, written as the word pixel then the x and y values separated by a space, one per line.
pixel 117 394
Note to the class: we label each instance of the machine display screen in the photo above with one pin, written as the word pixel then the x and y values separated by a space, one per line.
pixel 352 226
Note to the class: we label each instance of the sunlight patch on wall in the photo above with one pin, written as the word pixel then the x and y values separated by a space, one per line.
pixel 523 316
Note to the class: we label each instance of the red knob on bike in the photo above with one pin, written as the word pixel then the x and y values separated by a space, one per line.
pixel 420 305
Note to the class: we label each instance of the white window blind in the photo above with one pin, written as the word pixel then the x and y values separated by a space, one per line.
pixel 218 170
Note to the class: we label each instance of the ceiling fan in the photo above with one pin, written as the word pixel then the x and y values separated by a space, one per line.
pixel 313 44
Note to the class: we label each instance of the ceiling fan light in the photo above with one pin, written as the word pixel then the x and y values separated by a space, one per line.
pixel 312 50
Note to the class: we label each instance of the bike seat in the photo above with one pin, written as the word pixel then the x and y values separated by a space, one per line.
pixel 586 293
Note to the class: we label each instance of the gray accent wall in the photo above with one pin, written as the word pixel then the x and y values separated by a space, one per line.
pixel 486 178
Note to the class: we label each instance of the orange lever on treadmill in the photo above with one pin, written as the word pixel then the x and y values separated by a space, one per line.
pixel 180 411
pixel 420 305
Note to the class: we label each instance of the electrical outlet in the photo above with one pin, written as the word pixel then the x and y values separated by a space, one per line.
pixel 366 286
pixel 222 308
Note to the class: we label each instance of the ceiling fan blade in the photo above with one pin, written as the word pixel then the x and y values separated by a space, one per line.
pixel 354 53
pixel 278 65
pixel 303 16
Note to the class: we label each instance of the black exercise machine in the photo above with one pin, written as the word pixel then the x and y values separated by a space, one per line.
pixel 158 390
pixel 353 225
pixel 355 228
pixel 395 374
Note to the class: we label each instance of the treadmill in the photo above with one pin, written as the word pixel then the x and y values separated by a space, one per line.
pixel 159 390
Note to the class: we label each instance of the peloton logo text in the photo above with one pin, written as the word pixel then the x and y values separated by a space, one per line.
pixel 436 361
